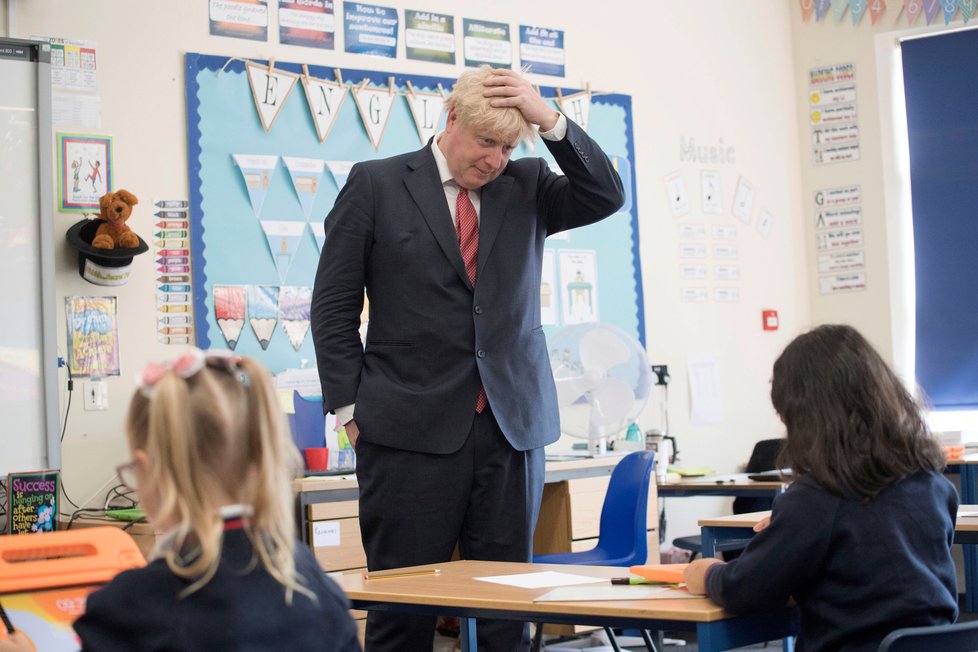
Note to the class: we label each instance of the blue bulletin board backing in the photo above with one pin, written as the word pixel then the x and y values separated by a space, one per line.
pixel 229 247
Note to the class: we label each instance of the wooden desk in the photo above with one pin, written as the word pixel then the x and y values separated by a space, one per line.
pixel 454 592
pixel 734 484
pixel 735 531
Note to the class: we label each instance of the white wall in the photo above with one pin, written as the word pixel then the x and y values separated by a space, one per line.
pixel 705 75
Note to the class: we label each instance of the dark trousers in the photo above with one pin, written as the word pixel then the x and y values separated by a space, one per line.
pixel 414 508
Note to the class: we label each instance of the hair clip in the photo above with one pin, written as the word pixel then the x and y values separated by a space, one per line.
pixel 187 366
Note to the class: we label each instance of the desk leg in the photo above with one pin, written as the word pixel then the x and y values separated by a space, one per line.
pixel 969 496
pixel 708 539
pixel 466 635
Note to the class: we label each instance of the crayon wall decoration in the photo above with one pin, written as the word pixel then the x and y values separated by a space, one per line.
pixel 174 299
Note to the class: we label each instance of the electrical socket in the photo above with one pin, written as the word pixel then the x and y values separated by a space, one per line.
pixel 661 372
pixel 96 395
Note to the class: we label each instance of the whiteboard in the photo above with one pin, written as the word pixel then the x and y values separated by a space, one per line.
pixel 29 434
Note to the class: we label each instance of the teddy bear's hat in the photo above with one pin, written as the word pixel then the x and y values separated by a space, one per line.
pixel 101 266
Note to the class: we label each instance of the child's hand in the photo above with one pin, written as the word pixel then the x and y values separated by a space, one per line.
pixel 16 642
pixel 763 523
pixel 695 575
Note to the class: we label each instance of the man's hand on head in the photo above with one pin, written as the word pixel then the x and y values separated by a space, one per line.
pixel 508 88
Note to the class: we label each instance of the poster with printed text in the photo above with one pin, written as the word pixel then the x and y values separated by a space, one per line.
pixel 84 171
pixel 93 336
pixel 311 23
pixel 429 36
pixel 370 29
pixel 486 42
pixel 247 19
pixel 542 50
pixel 32 502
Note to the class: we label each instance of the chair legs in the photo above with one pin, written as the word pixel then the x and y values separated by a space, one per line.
pixel 612 640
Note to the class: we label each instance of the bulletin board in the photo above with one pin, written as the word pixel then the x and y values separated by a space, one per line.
pixel 596 266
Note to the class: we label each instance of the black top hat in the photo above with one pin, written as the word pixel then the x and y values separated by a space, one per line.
pixel 101 266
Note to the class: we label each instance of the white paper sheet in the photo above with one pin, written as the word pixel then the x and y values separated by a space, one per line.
pixel 706 401
pixel 542 579
pixel 623 592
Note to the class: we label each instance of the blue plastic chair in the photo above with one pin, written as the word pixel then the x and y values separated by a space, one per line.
pixel 308 423
pixel 623 533
pixel 959 637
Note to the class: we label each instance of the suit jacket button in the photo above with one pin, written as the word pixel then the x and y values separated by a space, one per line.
pixel 481 353
pixel 478 310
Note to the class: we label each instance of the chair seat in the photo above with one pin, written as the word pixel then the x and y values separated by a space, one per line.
pixel 693 543
pixel 594 557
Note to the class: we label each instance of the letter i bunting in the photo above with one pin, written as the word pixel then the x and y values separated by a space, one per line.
pixel 174 293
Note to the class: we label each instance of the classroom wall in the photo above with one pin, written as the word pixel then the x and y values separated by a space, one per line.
pixel 694 75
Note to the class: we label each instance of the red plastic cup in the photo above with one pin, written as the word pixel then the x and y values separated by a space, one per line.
pixel 316 458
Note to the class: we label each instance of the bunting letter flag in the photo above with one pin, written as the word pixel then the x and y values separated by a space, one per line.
pixel 912 8
pixel 806 9
pixel 325 99
pixel 318 230
pixel 821 8
pixel 577 106
pixel 307 174
pixel 856 9
pixel 340 171
pixel 270 88
pixel 375 108
pixel 950 8
pixel 839 9
pixel 257 170
pixel 931 7
pixel 427 109
pixel 876 9
pixel 229 310
pixel 283 240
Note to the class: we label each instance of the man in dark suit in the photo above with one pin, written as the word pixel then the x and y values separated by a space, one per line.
pixel 453 393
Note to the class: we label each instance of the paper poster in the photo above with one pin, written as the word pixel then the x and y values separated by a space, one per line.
pixel 579 284
pixel 246 19
pixel 375 106
pixel 370 29
pixel 486 42
pixel 833 114
pixel 74 65
pixel 692 250
pixel 542 50
pixel 307 22
pixel 270 88
pixel 692 231
pixel 726 272
pixel 294 306
pixel 833 239
pixel 835 218
pixel 726 295
pixel 306 174
pixel 429 36
pixel 548 290
pixel 32 502
pixel 263 312
pixel 842 283
pixel 85 171
pixel 692 272
pixel 765 222
pixel 841 261
pixel 229 311
pixel 676 193
pixel 705 397
pixel 836 197
pixel 257 170
pixel 694 295
pixel 723 232
pixel 743 200
pixel 324 98
pixel 725 251
pixel 712 192
pixel 283 240
pixel 93 336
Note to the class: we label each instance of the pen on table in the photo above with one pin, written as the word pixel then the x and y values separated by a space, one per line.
pixel 6 621
pixel 639 580
pixel 724 480
pixel 384 576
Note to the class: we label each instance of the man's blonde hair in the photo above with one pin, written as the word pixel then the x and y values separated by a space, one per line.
pixel 475 111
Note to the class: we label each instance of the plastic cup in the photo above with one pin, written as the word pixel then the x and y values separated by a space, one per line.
pixel 316 458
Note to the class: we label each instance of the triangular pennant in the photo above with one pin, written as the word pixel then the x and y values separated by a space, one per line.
pixel 306 175
pixel 839 9
pixel 229 311
pixel 806 9
pixel 856 9
pixel 283 239
pixel 427 110
pixel 257 170
pixel 319 234
pixel 821 8
pixel 950 8
pixel 375 108
pixel 912 9
pixel 294 306
pixel 876 9
pixel 576 106
pixel 931 7
pixel 270 88
pixel 263 312
pixel 967 9
pixel 325 99
pixel 340 171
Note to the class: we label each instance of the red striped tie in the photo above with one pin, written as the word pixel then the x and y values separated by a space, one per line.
pixel 467 228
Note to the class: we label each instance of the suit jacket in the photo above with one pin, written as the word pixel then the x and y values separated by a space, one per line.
pixel 241 608
pixel 431 336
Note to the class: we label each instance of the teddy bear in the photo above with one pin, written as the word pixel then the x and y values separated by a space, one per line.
pixel 115 208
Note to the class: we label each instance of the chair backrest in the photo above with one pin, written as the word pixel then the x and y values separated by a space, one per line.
pixel 624 515
pixel 762 458
pixel 308 423
pixel 960 637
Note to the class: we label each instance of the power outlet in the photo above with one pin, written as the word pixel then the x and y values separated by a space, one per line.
pixel 661 372
pixel 96 395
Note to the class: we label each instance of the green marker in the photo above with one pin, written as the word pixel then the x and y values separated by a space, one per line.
pixel 639 580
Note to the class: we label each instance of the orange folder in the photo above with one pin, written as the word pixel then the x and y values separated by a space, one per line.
pixel 672 573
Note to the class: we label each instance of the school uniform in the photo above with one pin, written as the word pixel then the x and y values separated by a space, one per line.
pixel 857 568
pixel 241 608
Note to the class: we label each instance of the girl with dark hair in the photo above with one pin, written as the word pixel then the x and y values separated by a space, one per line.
pixel 862 538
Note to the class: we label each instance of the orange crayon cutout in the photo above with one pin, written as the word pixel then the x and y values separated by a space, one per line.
pixel 171 307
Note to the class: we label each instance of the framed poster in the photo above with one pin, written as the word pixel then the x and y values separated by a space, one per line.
pixel 93 336
pixel 84 171
pixel 32 502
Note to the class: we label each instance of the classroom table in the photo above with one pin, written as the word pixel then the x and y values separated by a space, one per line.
pixel 721 532
pixel 733 484
pixel 455 592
